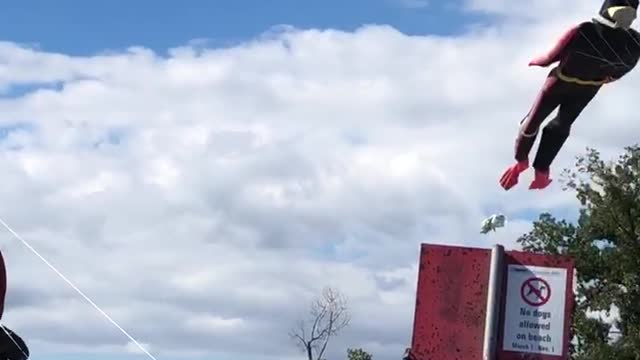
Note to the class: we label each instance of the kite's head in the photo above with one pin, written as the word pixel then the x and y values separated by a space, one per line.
pixel 621 13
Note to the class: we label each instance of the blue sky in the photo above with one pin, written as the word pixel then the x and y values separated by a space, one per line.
pixel 83 27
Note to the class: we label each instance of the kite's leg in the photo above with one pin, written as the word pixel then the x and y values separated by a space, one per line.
pixel 547 100
pixel 556 132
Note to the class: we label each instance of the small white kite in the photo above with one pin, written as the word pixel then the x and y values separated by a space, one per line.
pixel 492 223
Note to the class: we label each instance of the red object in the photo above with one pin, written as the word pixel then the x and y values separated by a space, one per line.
pixel 540 181
pixel 510 177
pixel 450 303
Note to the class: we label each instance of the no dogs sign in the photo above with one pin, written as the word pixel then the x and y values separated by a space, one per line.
pixel 535 310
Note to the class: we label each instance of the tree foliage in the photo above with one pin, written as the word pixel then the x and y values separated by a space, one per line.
pixel 605 243
pixel 358 354
pixel 328 315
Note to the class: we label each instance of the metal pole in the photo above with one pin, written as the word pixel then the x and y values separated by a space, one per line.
pixel 493 304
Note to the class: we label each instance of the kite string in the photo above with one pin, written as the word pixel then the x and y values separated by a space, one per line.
pixel 76 289
pixel 627 31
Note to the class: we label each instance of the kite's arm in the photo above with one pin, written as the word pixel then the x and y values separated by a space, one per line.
pixel 554 54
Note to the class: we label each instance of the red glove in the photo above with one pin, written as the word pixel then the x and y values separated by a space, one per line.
pixel 509 178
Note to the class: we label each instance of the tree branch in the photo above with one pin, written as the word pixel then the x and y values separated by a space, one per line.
pixel 329 315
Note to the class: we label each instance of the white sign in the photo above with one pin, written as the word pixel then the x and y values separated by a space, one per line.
pixel 535 309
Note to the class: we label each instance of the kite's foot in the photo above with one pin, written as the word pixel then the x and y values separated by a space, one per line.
pixel 509 178
pixel 540 181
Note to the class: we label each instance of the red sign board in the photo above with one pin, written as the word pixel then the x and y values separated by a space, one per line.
pixel 450 303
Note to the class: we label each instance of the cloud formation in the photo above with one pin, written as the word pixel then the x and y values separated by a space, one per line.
pixel 204 197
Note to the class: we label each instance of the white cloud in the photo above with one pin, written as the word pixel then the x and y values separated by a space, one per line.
pixel 203 198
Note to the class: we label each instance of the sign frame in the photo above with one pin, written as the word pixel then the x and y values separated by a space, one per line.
pixel 538 260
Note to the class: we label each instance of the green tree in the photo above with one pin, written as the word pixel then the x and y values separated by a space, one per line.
pixel 605 243
pixel 358 354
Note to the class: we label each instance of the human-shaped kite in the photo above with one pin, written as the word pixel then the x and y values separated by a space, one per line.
pixel 590 54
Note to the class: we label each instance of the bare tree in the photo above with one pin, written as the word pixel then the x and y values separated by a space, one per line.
pixel 328 315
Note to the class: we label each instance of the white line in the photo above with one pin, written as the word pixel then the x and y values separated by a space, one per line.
pixel 76 289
